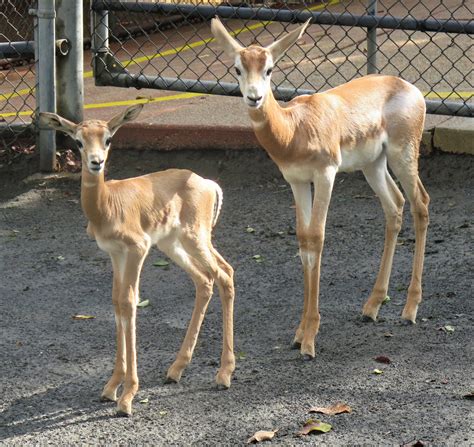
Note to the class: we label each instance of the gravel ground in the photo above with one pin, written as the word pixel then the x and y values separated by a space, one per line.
pixel 53 368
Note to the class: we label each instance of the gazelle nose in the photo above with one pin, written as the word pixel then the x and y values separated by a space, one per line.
pixel 97 162
pixel 256 99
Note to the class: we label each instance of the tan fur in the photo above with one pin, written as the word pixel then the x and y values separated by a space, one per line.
pixel 173 209
pixel 364 124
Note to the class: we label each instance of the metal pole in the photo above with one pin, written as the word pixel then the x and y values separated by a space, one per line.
pixel 45 55
pixel 372 40
pixel 99 42
pixel 69 68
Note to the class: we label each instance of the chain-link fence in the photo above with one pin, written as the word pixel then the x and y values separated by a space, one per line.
pixel 427 42
pixel 17 77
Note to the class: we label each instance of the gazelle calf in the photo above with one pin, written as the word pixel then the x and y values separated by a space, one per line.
pixel 362 125
pixel 174 210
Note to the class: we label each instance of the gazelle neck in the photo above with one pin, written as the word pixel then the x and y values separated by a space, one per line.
pixel 93 195
pixel 272 124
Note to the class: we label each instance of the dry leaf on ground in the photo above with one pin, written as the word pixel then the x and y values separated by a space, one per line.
pixel 313 425
pixel 469 396
pixel 337 408
pixel 382 359
pixel 261 435
pixel 82 317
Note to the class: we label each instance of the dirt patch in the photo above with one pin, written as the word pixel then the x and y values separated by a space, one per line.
pixel 53 368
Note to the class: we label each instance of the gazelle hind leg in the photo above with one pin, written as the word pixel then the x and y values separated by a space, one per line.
pixel 392 202
pixel 225 284
pixel 215 265
pixel 419 201
pixel 204 285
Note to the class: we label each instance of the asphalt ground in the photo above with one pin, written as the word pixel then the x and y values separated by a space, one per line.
pixel 53 368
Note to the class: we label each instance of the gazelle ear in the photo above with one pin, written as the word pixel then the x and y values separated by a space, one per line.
pixel 224 39
pixel 128 115
pixel 56 122
pixel 279 47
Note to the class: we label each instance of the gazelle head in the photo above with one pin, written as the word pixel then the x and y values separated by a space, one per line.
pixel 93 137
pixel 254 64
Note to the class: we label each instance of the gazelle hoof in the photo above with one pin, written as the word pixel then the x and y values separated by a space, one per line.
pixel 222 387
pixel 408 322
pixel 170 380
pixel 367 319
pixel 123 414
pixel 307 357
pixel 104 398
pixel 296 345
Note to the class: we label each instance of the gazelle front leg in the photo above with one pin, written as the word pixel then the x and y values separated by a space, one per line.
pixel 109 392
pixel 311 241
pixel 302 195
pixel 128 310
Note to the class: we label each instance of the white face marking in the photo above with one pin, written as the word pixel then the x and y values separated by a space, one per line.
pixel 254 85
pixel 93 155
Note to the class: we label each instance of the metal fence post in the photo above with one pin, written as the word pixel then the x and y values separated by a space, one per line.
pixel 99 42
pixel 45 48
pixel 372 40
pixel 69 68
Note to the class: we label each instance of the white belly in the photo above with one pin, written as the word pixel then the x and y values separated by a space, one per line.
pixel 365 153
pixel 298 173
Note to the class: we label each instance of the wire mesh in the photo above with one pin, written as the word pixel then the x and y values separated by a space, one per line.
pixel 17 79
pixel 178 45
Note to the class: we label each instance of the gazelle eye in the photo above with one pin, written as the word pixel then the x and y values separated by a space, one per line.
pixel 79 144
pixel 269 71
pixel 238 71
pixel 108 141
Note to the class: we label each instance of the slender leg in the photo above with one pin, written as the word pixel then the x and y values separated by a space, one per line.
pixel 203 268
pixel 225 283
pixel 419 201
pixel 302 195
pixel 128 309
pixel 311 242
pixel 392 202
pixel 109 392
pixel 204 285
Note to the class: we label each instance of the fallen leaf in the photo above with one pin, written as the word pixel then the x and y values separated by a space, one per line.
pixel 447 328
pixel 241 356
pixel 337 408
pixel 163 413
pixel 82 317
pixel 161 263
pixel 313 425
pixel 362 196
pixel 469 396
pixel 377 371
pixel 261 435
pixel 144 401
pixel 144 303
pixel 257 258
pixel 382 359
pixel 250 230
pixel 387 335
pixel 386 300
pixel 60 258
